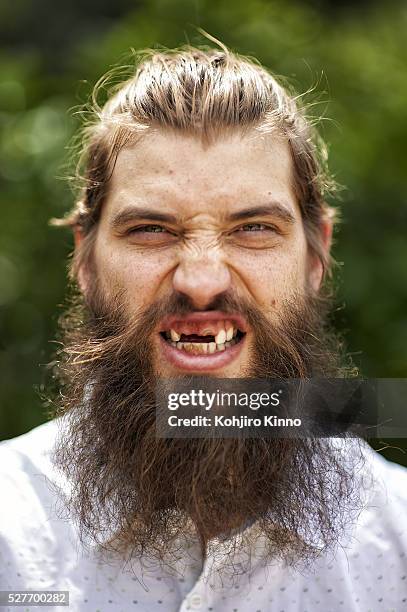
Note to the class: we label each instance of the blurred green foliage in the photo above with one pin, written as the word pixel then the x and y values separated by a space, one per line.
pixel 355 58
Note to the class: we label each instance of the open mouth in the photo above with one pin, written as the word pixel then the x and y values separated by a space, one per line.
pixel 204 343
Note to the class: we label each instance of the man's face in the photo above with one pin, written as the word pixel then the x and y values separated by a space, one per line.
pixel 196 239
pixel 200 221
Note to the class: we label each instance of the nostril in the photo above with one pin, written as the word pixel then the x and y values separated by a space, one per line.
pixel 202 281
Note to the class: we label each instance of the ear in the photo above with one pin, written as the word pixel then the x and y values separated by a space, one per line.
pixel 81 276
pixel 316 271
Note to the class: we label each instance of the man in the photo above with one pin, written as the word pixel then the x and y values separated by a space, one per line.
pixel 202 241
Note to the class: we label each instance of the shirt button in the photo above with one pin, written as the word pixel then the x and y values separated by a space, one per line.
pixel 195 601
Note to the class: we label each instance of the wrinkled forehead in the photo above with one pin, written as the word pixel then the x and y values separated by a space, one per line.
pixel 179 172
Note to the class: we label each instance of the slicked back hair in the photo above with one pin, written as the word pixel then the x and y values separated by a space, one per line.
pixel 201 92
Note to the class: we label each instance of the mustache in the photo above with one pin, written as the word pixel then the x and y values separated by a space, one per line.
pixel 175 304
pixel 119 339
pixel 112 312
pixel 112 330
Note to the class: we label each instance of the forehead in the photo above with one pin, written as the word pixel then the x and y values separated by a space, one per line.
pixel 179 172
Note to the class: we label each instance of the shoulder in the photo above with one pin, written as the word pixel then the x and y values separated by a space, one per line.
pixel 381 531
pixel 28 480
pixel 29 454
pixel 26 473
pixel 33 530
pixel 36 439
pixel 390 480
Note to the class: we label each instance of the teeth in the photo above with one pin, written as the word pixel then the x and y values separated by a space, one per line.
pixel 224 335
pixel 194 347
pixel 220 337
pixel 174 335
pixel 201 347
pixel 229 333
pixel 225 338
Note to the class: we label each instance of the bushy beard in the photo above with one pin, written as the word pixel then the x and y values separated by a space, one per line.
pixel 136 495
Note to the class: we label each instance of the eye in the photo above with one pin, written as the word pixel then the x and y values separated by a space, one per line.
pixel 149 229
pixel 253 227
pixel 150 235
pixel 257 230
pixel 255 235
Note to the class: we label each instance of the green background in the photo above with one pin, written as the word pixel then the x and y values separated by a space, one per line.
pixel 52 53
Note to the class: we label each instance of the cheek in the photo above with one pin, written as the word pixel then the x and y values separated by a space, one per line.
pixel 137 276
pixel 274 276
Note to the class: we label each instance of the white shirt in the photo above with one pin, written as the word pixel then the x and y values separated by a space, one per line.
pixel 40 550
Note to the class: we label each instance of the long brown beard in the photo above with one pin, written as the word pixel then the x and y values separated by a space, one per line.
pixel 146 493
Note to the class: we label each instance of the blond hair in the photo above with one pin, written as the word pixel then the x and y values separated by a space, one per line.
pixel 203 92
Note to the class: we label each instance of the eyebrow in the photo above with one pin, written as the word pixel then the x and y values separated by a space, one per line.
pixel 135 213
pixel 274 209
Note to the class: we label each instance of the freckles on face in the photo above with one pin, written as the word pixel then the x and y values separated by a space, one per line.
pixel 275 275
pixel 136 276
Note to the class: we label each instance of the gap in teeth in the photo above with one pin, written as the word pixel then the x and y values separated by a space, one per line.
pixel 203 348
pixel 226 334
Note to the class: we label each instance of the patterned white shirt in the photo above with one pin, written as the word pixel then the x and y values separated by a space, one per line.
pixel 40 550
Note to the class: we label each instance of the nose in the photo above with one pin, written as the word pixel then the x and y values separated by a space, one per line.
pixel 202 280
